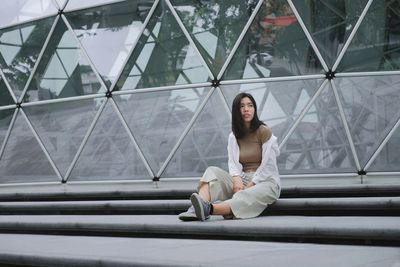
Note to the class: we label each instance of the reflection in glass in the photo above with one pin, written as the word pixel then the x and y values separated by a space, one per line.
pixel 19 49
pixel 388 159
pixel 376 45
pixel 319 143
pixel 278 103
pixel 274 46
pixel 63 70
pixel 5 120
pixel 163 56
pixel 330 23
pixel 96 27
pixel 62 126
pixel 12 11
pixel 157 119
pixel 79 4
pixel 23 160
pixel 5 97
pixel 214 26
pixel 109 153
pixel 371 106
pixel 205 144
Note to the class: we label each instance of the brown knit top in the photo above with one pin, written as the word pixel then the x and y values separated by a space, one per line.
pixel 250 148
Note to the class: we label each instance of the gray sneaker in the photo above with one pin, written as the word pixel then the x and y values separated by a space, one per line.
pixel 188 215
pixel 201 207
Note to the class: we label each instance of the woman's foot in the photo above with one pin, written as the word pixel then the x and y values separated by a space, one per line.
pixel 189 215
pixel 202 208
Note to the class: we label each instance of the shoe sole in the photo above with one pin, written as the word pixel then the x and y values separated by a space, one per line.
pixel 198 207
pixel 188 217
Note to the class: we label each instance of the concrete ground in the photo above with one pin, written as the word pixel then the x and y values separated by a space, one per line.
pixel 123 251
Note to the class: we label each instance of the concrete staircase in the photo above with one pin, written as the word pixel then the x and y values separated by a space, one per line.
pixel 357 215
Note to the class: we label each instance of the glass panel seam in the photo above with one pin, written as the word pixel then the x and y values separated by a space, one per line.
pixel 303 113
pixel 371 73
pixel 163 88
pixel 317 175
pixel 185 132
pixel 42 146
pixel 189 38
pixel 113 182
pixel 346 126
pixel 274 79
pixel 8 133
pixel 94 69
pixel 55 3
pixel 29 184
pixel 381 146
pixel 145 23
pixel 308 35
pixel 7 107
pixel 85 139
pixel 29 20
pixel 240 38
pixel 7 85
pixel 382 174
pixel 351 36
pixel 133 139
pixel 222 96
pixel 39 58
pixel 62 100
pixel 65 4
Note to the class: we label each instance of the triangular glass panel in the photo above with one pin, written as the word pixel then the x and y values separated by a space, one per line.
pixel 388 159
pixel 157 119
pixel 14 12
pixel 319 143
pixel 278 103
pixel 109 153
pixel 95 27
pixel 163 56
pixel 214 26
pixel 19 50
pixel 62 127
pixel 63 71
pixel 5 120
pixel 60 3
pixel 205 144
pixel 79 4
pixel 23 160
pixel 5 97
pixel 333 24
pixel 371 107
pixel 274 46
pixel 375 46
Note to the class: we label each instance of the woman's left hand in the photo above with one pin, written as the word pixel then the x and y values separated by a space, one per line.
pixel 250 185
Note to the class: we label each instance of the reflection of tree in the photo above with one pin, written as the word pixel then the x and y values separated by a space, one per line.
pixel 222 19
pixel 22 64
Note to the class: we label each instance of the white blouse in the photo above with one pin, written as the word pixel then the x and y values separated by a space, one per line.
pixel 268 168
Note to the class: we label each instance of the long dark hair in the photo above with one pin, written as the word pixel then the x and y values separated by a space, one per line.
pixel 238 128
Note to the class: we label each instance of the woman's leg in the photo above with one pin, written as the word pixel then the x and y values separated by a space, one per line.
pixel 222 208
pixel 204 191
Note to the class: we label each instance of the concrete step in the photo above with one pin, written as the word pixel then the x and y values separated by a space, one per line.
pixel 320 229
pixel 388 206
pixel 87 251
pixel 149 191
pixel 368 205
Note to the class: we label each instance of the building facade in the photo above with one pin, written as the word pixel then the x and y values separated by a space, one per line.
pixel 141 90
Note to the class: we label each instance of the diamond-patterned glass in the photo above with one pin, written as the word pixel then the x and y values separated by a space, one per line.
pixel 375 46
pixel 205 144
pixel 63 71
pixel 19 50
pixel 275 45
pixel 109 153
pixel 23 160
pixel 95 27
pixel 163 56
pixel 214 26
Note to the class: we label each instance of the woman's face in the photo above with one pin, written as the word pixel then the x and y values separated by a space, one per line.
pixel 247 111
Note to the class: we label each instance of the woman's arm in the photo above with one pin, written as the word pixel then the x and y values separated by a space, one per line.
pixel 235 168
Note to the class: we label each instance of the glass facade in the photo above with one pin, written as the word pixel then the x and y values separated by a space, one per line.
pixel 107 90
